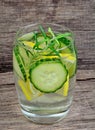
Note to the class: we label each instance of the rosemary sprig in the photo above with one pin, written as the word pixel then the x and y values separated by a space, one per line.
pixel 51 46
pixel 50 30
pixel 36 46
pixel 59 36
pixel 51 42
pixel 63 35
pixel 43 32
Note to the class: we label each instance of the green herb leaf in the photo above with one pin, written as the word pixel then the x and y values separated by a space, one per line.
pixel 36 46
pixel 50 31
pixel 63 35
pixel 52 47
pixel 43 32
pixel 54 50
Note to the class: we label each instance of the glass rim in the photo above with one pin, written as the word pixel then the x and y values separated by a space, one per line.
pixel 41 23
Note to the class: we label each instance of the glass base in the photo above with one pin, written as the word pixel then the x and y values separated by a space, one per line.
pixel 45 119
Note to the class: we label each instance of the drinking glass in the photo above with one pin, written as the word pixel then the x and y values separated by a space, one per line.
pixel 44 65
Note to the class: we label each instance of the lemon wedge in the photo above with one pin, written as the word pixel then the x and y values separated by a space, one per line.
pixel 28 43
pixel 25 89
pixel 66 87
pixel 69 60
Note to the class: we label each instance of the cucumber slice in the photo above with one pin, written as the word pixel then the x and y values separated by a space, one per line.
pixel 26 37
pixel 69 60
pixel 18 64
pixel 48 75
pixel 25 55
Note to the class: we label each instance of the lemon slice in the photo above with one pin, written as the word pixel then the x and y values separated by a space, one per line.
pixel 25 89
pixel 28 90
pixel 70 62
pixel 66 87
pixel 28 43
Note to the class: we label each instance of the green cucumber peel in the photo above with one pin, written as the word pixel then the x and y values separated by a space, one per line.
pixel 20 63
pixel 47 61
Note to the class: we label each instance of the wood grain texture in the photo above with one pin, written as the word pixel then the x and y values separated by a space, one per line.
pixel 80 117
pixel 78 15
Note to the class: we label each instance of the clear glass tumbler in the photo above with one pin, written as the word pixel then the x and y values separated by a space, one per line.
pixel 44 63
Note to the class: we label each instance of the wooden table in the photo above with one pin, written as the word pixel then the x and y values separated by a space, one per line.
pixel 78 15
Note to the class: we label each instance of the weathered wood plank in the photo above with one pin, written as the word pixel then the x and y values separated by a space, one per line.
pixel 80 117
pixel 78 15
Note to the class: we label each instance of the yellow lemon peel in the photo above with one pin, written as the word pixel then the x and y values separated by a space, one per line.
pixel 25 89
pixel 66 87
